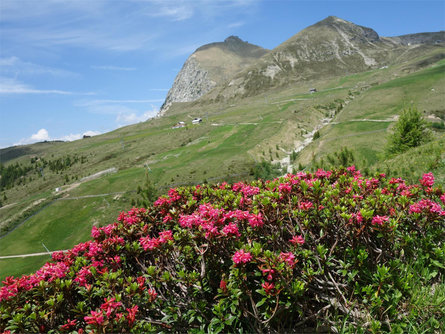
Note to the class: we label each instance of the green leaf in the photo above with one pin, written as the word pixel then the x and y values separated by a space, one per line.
pixel 261 302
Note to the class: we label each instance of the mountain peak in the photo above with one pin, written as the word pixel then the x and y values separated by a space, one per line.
pixel 364 33
pixel 211 65
pixel 233 39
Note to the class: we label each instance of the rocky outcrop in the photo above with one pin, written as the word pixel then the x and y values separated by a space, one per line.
pixel 209 66
pixel 191 83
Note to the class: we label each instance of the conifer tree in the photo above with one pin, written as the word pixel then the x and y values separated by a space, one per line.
pixel 409 131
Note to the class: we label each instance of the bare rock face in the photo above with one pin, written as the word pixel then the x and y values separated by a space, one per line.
pixel 209 66
pixel 191 83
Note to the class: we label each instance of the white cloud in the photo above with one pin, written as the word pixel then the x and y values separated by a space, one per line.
pixel 108 102
pixel 12 86
pixel 16 66
pixel 113 68
pixel 91 133
pixel 77 136
pixel 173 11
pixel 235 25
pixel 43 135
pixel 127 118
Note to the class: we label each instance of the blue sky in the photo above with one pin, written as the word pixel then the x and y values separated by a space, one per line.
pixel 89 66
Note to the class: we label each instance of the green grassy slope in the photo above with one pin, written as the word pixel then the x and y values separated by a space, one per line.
pixel 233 136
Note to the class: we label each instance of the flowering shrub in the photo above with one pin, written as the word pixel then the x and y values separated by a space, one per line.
pixel 274 256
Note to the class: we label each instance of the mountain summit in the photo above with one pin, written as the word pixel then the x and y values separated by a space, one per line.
pixel 209 66
pixel 329 48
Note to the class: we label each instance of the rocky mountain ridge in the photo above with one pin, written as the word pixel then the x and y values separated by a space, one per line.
pixel 328 48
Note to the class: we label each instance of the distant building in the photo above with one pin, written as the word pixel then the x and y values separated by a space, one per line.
pixel 86 136
pixel 178 125
pixel 312 90
pixel 197 121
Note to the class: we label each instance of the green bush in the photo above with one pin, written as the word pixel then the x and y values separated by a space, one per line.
pixel 409 131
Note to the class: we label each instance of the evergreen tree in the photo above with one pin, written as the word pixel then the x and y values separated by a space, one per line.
pixel 409 131
pixel 148 194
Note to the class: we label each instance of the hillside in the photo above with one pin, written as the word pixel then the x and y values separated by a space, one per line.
pixel 278 125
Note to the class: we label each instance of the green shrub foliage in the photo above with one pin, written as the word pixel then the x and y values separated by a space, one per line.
pixel 324 249
pixel 409 131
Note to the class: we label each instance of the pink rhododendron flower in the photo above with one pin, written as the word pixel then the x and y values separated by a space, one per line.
pixel 95 232
pixel 167 218
pixel 94 249
pixel 426 205
pixel 268 287
pixel 351 168
pixel 165 236
pixel 285 188
pixel 427 180
pixel 110 306
pixel 297 239
pixel 379 220
pixel 442 198
pixel 231 230
pixel 241 257
pixel 131 317
pixel 269 272
pixel 109 229
pixel 69 325
pixel 306 206
pixel 153 294
pixel 289 258
pixel 356 217
pixel 255 220
pixel 223 285
pixel 96 318
pixel 149 243
pixel 320 173
pixel 82 276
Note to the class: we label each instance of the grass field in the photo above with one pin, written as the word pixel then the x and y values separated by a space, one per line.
pixel 234 136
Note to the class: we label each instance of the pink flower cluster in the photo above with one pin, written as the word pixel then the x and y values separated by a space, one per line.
pixel 289 258
pixel 320 173
pixel 426 205
pixel 134 216
pixel 427 180
pixel 153 243
pixel 173 196
pixel 231 230
pixel 356 218
pixel 241 256
pixel 248 191
pixel 210 219
pixel 297 240
pixel 49 272
pixel 379 220
pixel 305 206
pixel 285 188
pixel 107 230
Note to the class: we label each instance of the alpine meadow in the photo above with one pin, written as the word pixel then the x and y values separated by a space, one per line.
pixel 294 190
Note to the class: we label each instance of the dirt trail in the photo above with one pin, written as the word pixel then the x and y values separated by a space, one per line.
pixel 7 205
pixel 28 255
